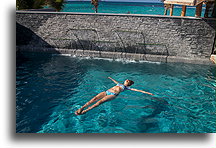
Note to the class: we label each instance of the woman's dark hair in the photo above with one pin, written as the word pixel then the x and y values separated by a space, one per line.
pixel 130 82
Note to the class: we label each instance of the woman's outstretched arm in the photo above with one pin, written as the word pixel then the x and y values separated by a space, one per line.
pixel 141 91
pixel 113 80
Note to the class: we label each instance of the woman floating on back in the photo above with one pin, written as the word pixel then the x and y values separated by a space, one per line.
pixel 108 95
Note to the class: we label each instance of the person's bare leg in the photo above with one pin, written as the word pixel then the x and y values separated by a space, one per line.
pixel 99 96
pixel 105 99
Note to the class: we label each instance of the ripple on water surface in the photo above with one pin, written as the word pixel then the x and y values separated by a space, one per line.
pixel 50 88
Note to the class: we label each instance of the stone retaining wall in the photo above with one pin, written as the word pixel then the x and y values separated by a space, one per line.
pixel 159 36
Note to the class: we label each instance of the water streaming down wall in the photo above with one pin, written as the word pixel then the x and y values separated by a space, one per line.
pixel 138 37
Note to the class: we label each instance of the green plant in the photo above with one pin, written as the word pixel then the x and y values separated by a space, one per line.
pixel 38 4
pixel 57 4
pixel 29 4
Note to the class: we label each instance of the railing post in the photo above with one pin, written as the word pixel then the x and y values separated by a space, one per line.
pixel 183 10
pixel 214 11
pixel 198 10
pixel 171 9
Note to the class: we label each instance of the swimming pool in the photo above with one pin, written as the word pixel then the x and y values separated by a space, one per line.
pixel 126 7
pixel 49 88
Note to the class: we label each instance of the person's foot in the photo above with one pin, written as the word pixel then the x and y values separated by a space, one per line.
pixel 79 111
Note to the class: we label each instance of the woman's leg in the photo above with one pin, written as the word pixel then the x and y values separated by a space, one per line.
pixel 99 96
pixel 105 99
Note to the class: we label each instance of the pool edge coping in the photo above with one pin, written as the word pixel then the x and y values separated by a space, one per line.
pixel 113 14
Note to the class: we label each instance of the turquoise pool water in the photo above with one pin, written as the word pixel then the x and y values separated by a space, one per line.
pixel 50 88
pixel 126 7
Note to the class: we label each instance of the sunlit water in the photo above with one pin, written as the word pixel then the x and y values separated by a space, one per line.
pixel 50 88
pixel 126 7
